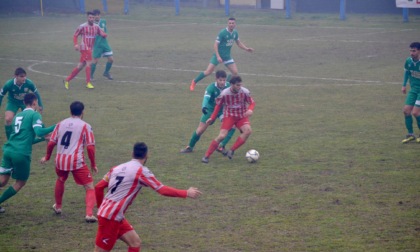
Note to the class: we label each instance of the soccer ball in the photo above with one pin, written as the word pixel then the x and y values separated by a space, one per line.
pixel 252 156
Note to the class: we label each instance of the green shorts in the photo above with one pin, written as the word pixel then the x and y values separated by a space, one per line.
pixel 226 60
pixel 14 107
pixel 413 98
pixel 18 165
pixel 102 50
pixel 204 117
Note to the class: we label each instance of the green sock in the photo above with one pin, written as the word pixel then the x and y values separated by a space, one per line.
pixel 194 139
pixel 228 137
pixel 199 77
pixel 409 124
pixel 418 121
pixel 92 70
pixel 108 67
pixel 10 192
pixel 8 129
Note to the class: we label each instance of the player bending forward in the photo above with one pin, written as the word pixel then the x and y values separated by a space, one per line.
pixel 124 182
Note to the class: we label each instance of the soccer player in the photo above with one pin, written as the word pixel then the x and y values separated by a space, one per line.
pixel 209 102
pixel 412 101
pixel 87 31
pixel 16 162
pixel 17 88
pixel 124 183
pixel 222 47
pixel 101 48
pixel 72 135
pixel 238 106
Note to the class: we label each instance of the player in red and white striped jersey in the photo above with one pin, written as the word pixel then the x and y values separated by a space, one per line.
pixel 124 182
pixel 72 136
pixel 88 32
pixel 238 105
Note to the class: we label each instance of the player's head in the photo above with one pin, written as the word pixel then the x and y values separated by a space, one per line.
pixel 140 151
pixel 90 17
pixel 76 108
pixel 231 23
pixel 97 14
pixel 30 100
pixel 235 83
pixel 415 50
pixel 220 78
pixel 20 75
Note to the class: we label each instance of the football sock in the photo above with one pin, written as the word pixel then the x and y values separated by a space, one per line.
pixel 131 249
pixel 58 193
pixel 409 124
pixel 228 77
pixel 92 70
pixel 90 201
pixel 8 129
pixel 194 139
pixel 10 192
pixel 228 137
pixel 238 143
pixel 418 121
pixel 87 74
pixel 108 67
pixel 199 77
pixel 73 74
pixel 213 146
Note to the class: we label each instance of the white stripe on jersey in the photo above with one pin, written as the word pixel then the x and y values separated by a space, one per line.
pixel 234 104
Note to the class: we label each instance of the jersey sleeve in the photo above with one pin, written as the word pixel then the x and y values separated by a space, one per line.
pixel 148 179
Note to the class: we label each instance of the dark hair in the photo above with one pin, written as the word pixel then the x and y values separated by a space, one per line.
pixel 232 18
pixel 19 71
pixel 90 13
pixel 29 98
pixel 220 74
pixel 235 79
pixel 76 108
pixel 139 150
pixel 415 45
pixel 96 12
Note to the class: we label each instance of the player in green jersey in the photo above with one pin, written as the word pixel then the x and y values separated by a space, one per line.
pixel 17 88
pixel 412 101
pixel 101 48
pixel 28 129
pixel 209 102
pixel 222 47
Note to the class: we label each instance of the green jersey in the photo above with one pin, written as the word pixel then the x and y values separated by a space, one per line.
pixel 99 39
pixel 23 135
pixel 225 39
pixel 413 69
pixel 212 92
pixel 16 93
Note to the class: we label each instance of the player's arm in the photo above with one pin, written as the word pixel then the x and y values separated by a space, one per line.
pixel 101 32
pixel 75 38
pixel 50 148
pixel 167 191
pixel 243 46
pixel 251 106
pixel 214 114
pixel 216 51
pixel 91 154
pixel 99 191
pixel 3 92
pixel 404 88
pixel 205 103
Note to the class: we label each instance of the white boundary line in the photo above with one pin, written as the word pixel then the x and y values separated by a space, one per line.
pixel 347 82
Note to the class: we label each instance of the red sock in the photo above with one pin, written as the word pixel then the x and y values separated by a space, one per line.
pixel 73 74
pixel 58 193
pixel 90 201
pixel 131 249
pixel 213 146
pixel 87 74
pixel 238 143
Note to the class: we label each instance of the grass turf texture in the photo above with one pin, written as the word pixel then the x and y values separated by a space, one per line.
pixel 333 174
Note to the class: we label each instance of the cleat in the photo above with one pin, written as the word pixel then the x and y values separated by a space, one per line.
pixel 222 150
pixel 66 84
pixel 205 160
pixel 192 86
pixel 56 210
pixel 91 219
pixel 89 85
pixel 187 149
pixel 418 139
pixel 2 210
pixel 409 138
pixel 108 76
pixel 230 153
pixel 92 79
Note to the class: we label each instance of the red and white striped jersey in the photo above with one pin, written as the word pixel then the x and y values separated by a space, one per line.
pixel 124 182
pixel 88 34
pixel 71 135
pixel 234 104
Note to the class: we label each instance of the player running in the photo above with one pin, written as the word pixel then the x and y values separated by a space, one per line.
pixel 101 48
pixel 88 32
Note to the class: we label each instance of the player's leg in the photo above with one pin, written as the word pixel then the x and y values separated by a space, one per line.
pixel 107 52
pixel 5 173
pixel 202 126
pixel 107 234
pixel 408 118
pixel 209 70
pixel 83 177
pixel 93 67
pixel 244 127
pixel 227 124
pixel 231 65
pixel 416 114
pixel 8 118
pixel 59 189
pixel 132 239
pixel 223 144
